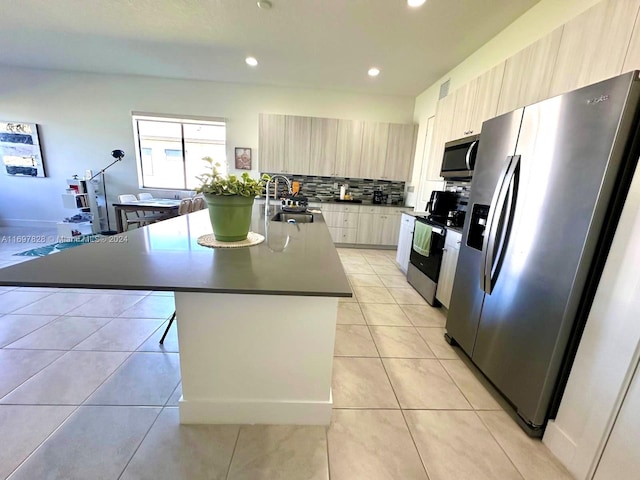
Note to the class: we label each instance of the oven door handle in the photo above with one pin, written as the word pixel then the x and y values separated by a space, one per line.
pixel 488 243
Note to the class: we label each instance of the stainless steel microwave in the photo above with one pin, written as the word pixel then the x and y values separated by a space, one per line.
pixel 460 157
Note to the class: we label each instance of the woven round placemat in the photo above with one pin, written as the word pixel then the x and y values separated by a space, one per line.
pixel 209 240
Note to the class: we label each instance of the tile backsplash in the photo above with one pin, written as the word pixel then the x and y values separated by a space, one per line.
pixel 362 188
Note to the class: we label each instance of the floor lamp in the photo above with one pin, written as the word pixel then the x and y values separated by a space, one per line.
pixel 118 155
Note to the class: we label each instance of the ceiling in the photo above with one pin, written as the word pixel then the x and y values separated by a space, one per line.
pixel 303 43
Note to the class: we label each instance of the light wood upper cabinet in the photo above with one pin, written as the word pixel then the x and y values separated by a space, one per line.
pixel 442 128
pixel 632 60
pixel 594 45
pixel 375 138
pixel 349 148
pixel 476 102
pixel 465 98
pixel 401 147
pixel 527 76
pixel 322 157
pixel 271 142
pixel 297 144
pixel 487 96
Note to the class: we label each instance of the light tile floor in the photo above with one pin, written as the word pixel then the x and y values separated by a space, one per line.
pixel 86 394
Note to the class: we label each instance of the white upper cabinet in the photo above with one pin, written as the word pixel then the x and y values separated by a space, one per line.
pixel 324 137
pixel 527 76
pixel 375 138
pixel 297 144
pixel 594 45
pixel 271 142
pixel 349 148
pixel 400 151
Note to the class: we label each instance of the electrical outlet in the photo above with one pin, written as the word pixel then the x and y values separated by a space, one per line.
pixel 335 184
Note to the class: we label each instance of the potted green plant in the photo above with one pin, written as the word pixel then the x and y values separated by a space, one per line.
pixel 230 201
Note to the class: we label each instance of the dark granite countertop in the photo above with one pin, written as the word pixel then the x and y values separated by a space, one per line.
pixel 166 256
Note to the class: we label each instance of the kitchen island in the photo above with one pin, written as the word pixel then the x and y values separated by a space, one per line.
pixel 256 325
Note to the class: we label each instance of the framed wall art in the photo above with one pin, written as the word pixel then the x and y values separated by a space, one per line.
pixel 20 151
pixel 243 158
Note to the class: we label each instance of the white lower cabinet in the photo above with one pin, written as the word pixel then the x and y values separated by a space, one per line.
pixel 378 229
pixel 448 268
pixel 405 240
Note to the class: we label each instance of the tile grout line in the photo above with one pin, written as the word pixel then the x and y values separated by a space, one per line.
pixel 233 453
pixel 141 442
pixel 499 445
pixel 46 438
pixel 424 467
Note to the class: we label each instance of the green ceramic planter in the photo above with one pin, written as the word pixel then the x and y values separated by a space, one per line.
pixel 230 216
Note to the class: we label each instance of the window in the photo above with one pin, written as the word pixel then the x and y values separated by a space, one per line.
pixel 170 150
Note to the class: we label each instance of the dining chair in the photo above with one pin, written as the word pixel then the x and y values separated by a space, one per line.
pixel 185 206
pixel 145 196
pixel 132 218
pixel 198 203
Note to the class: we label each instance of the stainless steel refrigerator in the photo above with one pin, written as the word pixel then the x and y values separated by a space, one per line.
pixel 549 184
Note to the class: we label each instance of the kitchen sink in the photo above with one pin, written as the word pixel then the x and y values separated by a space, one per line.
pixel 296 217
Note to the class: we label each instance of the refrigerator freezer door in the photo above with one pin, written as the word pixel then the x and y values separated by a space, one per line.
pixel 570 148
pixel 498 142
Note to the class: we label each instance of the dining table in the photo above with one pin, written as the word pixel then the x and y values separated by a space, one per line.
pixel 167 207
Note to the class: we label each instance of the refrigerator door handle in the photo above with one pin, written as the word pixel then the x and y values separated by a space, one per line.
pixel 488 242
pixel 502 218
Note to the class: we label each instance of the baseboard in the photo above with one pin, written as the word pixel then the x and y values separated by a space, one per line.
pixel 255 412
pixel 14 222
pixel 559 443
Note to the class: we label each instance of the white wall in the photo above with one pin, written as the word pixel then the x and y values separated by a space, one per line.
pixel 608 353
pixel 83 117
pixel 534 24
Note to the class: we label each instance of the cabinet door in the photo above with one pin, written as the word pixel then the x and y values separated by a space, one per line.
pixel 594 45
pixel 441 134
pixel 349 148
pixel 390 229
pixel 400 151
pixel 297 144
pixel 485 105
pixel 271 142
pixel 374 149
pixel 448 268
pixel 369 228
pixel 322 158
pixel 463 110
pixel 527 75
pixel 632 60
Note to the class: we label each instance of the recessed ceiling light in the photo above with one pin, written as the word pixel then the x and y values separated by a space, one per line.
pixel 413 3
pixel 374 72
pixel 264 4
pixel 251 61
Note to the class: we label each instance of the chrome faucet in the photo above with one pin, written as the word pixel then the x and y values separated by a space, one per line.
pixel 275 194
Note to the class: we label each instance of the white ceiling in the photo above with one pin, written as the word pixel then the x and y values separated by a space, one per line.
pixel 307 43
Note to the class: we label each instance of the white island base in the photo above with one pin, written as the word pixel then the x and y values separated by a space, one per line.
pixel 255 359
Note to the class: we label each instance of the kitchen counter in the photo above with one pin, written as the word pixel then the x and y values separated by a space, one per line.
pixel 256 325
pixel 166 256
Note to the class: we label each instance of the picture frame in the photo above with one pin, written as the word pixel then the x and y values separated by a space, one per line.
pixel 243 158
pixel 20 153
